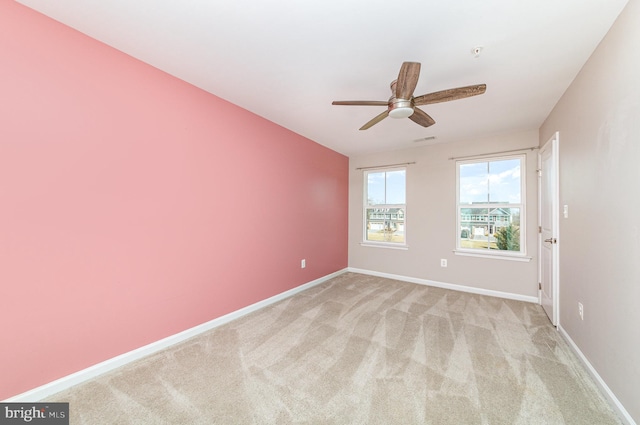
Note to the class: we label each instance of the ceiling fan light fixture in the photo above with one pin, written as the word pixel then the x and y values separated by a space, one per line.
pixel 400 108
pixel 401 112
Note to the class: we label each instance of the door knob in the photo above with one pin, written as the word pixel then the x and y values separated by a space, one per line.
pixel 551 240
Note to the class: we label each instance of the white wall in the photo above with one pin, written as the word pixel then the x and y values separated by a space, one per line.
pixel 431 219
pixel 599 123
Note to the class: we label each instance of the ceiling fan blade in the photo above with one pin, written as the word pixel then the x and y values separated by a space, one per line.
pixel 361 102
pixel 375 121
pixel 422 118
pixel 450 94
pixel 407 80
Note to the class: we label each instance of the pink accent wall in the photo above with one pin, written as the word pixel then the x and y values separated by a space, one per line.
pixel 134 206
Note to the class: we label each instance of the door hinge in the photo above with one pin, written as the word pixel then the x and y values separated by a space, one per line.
pixel 539 229
pixel 540 286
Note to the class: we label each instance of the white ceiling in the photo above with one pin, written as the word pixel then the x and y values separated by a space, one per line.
pixel 287 60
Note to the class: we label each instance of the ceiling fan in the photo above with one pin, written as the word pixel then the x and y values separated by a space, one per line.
pixel 403 104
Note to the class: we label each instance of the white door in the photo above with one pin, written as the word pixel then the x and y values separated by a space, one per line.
pixel 548 222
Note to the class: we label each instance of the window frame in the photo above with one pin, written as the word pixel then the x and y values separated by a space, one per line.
pixel 366 207
pixel 520 255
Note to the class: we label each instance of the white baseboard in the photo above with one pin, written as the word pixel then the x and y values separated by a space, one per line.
pixel 604 388
pixel 454 287
pixel 76 378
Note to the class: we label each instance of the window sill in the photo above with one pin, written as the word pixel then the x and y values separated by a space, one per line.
pixel 385 245
pixel 522 258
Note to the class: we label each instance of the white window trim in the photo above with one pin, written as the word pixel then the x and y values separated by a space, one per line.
pixel 386 245
pixel 501 255
pixel 382 244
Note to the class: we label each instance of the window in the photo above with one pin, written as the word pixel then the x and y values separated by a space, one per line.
pixel 385 207
pixel 490 207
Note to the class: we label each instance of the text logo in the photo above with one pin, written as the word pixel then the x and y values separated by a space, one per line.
pixel 34 413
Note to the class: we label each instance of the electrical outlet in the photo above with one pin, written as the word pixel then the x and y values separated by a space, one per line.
pixel 581 310
pixel 443 262
pixel 303 264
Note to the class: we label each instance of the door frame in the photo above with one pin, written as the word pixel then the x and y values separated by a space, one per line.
pixel 553 145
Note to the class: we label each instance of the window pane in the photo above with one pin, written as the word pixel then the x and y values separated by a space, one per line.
pixel 504 181
pixel 474 180
pixel 375 188
pixel 490 228
pixel 474 228
pixel 494 182
pixel 396 192
pixel 385 225
pixel 506 229
pixel 386 187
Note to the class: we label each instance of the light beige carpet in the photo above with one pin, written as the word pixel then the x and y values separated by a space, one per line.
pixel 357 350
